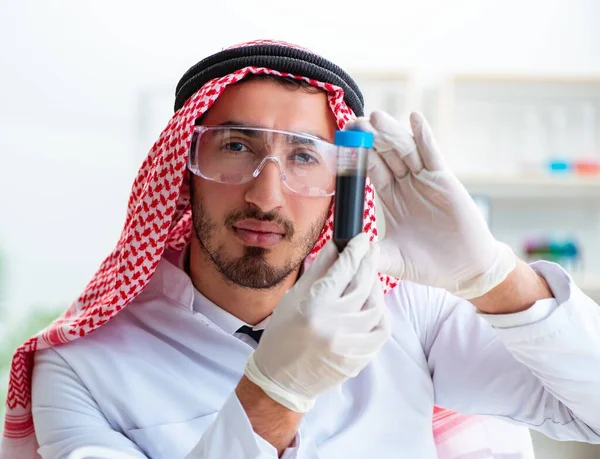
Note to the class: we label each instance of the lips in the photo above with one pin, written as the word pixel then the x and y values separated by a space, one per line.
pixel 259 227
pixel 257 233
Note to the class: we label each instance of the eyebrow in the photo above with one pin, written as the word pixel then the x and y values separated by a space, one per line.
pixel 235 124
pixel 240 124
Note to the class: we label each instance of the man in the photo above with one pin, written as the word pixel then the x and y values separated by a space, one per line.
pixel 210 258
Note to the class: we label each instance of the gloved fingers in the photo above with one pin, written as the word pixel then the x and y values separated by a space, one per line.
pixel 378 170
pixel 331 286
pixel 360 124
pixel 359 288
pixel 391 260
pixel 376 300
pixel 381 333
pixel 357 322
pixel 428 147
pixel 392 158
pixel 380 174
pixel 383 330
pixel 375 328
pixel 319 267
pixel 363 346
pixel 404 151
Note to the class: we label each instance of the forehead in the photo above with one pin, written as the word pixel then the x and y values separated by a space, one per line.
pixel 268 104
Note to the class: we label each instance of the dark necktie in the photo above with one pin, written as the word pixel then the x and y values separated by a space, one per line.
pixel 254 334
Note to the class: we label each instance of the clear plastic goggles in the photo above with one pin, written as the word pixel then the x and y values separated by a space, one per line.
pixel 237 154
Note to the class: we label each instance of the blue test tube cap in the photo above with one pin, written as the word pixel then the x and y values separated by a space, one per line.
pixel 354 139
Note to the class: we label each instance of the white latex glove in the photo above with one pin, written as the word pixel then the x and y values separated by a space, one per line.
pixel 435 234
pixel 326 329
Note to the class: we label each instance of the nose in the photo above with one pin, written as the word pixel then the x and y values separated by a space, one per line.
pixel 266 190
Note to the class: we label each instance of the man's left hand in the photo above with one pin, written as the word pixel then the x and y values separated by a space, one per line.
pixel 435 234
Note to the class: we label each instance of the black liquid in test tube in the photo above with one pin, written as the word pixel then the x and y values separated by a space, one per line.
pixel 349 200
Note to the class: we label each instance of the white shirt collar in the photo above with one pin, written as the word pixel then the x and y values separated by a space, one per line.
pixel 221 318
pixel 202 305
pixel 224 320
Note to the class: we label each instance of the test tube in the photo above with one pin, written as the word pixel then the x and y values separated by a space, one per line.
pixel 349 203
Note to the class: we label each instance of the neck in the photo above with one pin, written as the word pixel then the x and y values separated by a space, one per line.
pixel 247 304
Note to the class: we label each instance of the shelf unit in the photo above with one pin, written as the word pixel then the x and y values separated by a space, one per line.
pixel 395 92
pixel 574 201
pixel 533 187
pixel 492 128
pixel 501 124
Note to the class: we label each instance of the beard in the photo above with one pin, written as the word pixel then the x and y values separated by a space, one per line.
pixel 252 270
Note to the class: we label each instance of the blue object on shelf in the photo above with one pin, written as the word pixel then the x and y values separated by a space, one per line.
pixel 559 165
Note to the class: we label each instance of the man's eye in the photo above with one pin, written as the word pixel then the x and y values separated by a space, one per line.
pixel 305 158
pixel 235 147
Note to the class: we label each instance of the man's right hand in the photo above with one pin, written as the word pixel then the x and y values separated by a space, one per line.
pixel 326 329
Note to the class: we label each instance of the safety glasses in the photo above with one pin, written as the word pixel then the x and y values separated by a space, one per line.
pixel 237 154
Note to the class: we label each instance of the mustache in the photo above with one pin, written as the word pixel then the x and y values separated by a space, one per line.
pixel 256 214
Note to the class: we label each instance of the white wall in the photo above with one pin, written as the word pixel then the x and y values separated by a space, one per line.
pixel 71 74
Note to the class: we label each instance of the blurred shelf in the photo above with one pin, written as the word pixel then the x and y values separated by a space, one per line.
pixel 543 187
pixel 526 78
pixel 589 284
pixel 379 75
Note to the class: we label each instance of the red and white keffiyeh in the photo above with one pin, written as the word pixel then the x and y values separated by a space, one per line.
pixel 158 217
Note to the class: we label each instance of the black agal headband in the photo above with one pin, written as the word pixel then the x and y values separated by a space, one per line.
pixel 276 57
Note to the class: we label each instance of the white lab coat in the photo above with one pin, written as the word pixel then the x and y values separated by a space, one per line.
pixel 157 380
